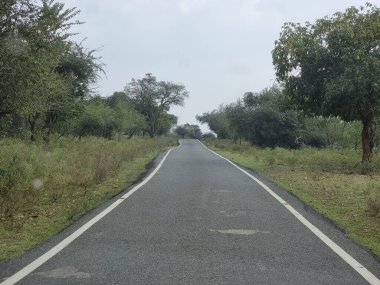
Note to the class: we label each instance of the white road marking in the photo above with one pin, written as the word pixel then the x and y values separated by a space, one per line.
pixel 364 272
pixel 60 246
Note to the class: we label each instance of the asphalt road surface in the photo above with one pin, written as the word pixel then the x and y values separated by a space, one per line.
pixel 198 220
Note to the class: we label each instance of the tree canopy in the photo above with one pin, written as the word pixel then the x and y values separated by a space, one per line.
pixel 44 75
pixel 154 99
pixel 332 67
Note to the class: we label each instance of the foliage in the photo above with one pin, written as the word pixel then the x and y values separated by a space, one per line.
pixel 217 121
pixel 32 39
pixel 130 122
pixel 260 118
pixel 166 123
pixel 154 98
pixel 189 131
pixel 43 73
pixel 44 188
pixel 332 67
pixel 98 119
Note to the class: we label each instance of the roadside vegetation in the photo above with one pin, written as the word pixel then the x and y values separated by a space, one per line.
pixel 45 188
pixel 64 148
pixel 316 133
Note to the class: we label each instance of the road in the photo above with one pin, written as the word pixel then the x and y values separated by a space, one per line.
pixel 198 220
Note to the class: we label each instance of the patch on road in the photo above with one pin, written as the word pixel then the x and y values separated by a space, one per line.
pixel 63 272
pixel 240 232
pixel 222 191
pixel 237 212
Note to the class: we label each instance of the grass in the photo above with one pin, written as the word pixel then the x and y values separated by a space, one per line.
pixel 331 181
pixel 45 188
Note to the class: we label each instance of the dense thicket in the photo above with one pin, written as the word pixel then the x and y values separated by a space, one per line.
pixel 44 75
pixel 189 131
pixel 266 120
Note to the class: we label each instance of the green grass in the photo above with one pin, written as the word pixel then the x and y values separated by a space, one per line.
pixel 331 181
pixel 45 188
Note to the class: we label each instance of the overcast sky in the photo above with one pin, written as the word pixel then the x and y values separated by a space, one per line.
pixel 219 49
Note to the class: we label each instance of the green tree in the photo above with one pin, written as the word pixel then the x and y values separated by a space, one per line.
pixel 190 131
pixel 154 99
pixel 332 67
pixel 98 119
pixel 181 131
pixel 130 122
pixel 269 122
pixel 80 69
pixel 237 119
pixel 166 123
pixel 217 122
pixel 33 38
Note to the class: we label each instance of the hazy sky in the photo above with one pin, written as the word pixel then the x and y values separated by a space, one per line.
pixel 219 49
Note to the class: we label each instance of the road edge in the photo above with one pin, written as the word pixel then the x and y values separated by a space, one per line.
pixel 26 270
pixel 358 267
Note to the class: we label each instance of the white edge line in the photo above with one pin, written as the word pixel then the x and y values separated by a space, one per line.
pixel 53 251
pixel 364 272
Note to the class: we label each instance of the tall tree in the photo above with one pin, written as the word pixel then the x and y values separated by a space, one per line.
pixel 131 122
pixel 154 98
pixel 33 36
pixel 332 67
pixel 79 68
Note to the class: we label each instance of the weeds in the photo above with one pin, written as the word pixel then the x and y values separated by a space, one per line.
pixel 56 183
pixel 373 206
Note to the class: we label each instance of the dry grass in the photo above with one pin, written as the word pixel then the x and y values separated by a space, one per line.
pixel 43 189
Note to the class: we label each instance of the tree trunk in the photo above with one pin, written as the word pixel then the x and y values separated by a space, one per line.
pixel 366 140
pixel 131 134
pixel 33 122
pixel 48 131
pixel 372 142
pixel 50 119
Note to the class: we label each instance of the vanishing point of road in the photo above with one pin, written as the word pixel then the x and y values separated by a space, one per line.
pixel 197 219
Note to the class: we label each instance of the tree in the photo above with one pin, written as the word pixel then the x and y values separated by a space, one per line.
pixel 217 121
pixel 80 68
pixel 194 131
pixel 130 122
pixel 41 71
pixel 166 123
pixel 237 119
pixel 154 98
pixel 181 131
pixel 332 67
pixel 268 122
pixel 98 119
pixel 187 130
